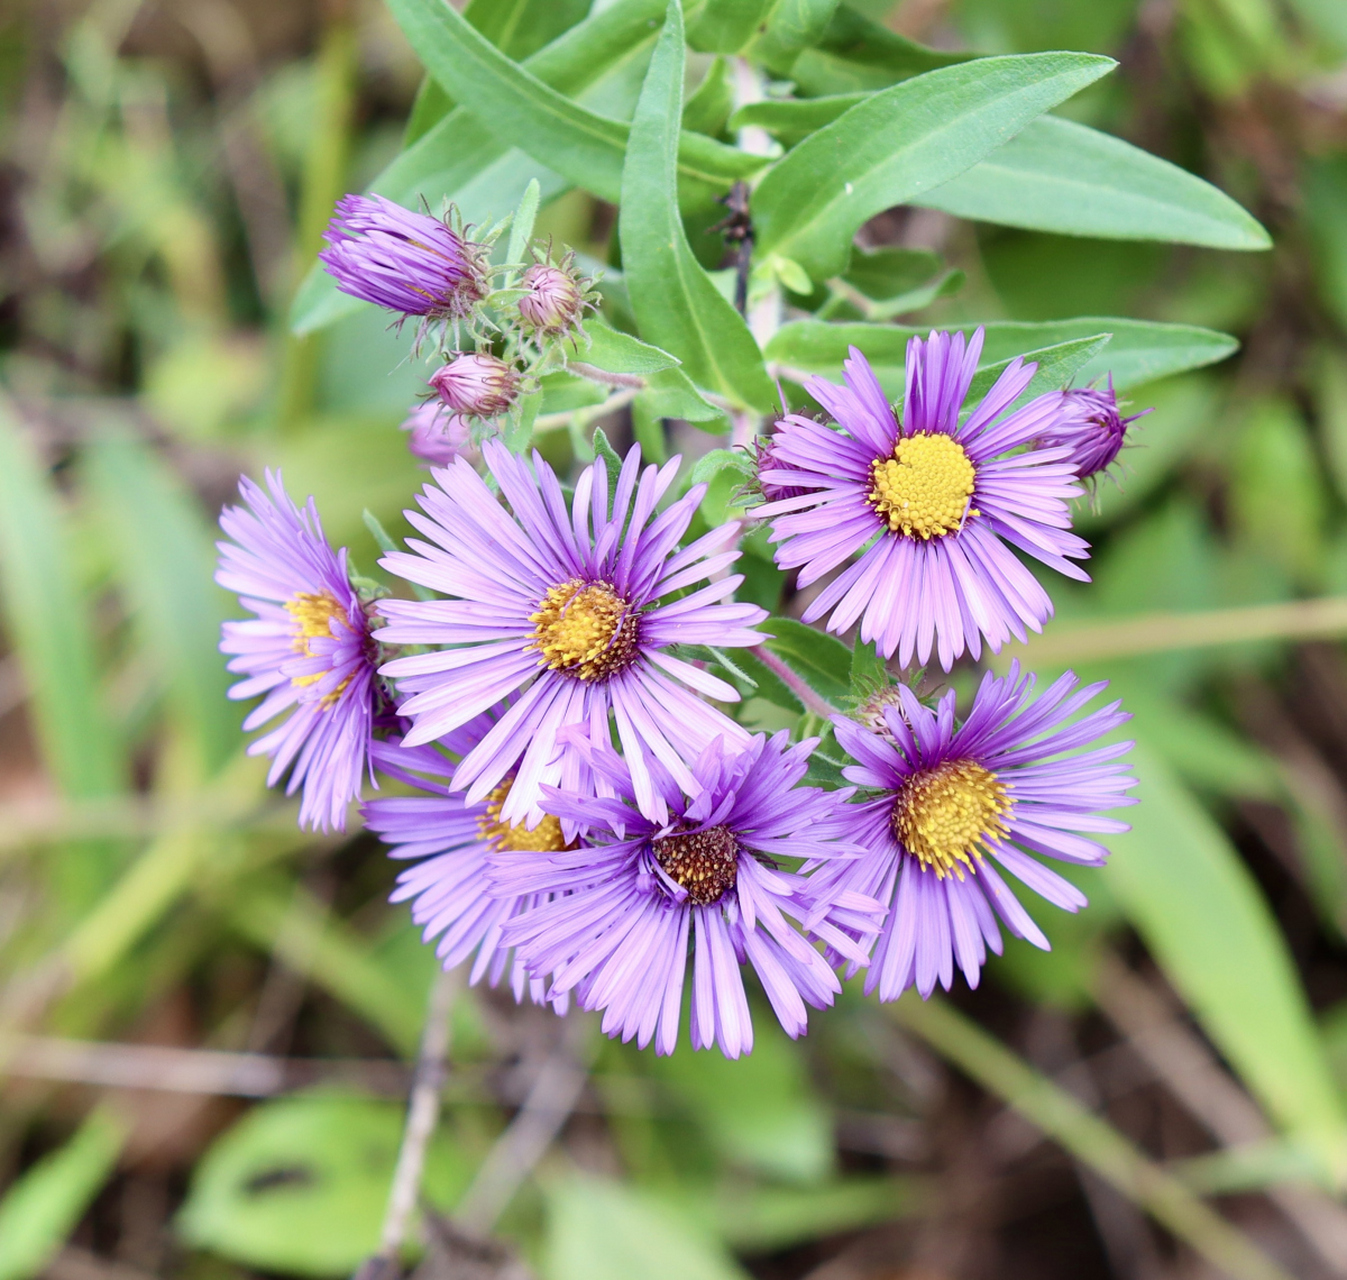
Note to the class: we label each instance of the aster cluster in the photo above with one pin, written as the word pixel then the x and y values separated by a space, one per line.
pixel 556 733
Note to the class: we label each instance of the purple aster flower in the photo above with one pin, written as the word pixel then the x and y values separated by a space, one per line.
pixel 438 435
pixel 932 505
pixel 1091 427
pixel 566 602
pixel 451 841
pixel 409 262
pixel 308 650
pixel 628 905
pixel 952 803
pixel 477 385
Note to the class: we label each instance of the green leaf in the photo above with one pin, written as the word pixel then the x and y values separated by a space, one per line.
pixel 791 120
pixel 675 302
pixel 855 53
pixel 868 670
pixel 1139 352
pixel 521 228
pixel 670 394
pixel 165 559
pixel 48 626
pixel 725 26
pixel 583 146
pixel 601 1230
pixel 712 463
pixel 892 147
pixel 792 26
pixel 708 109
pixel 299 1184
pixel 881 274
pixel 769 684
pixel 617 352
pixel 1057 365
pixel 821 660
pixel 1064 177
pixel 1204 919
pixel 44 1205
pixel 758 1112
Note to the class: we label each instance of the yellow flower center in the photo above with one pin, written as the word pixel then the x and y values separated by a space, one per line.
pixel 584 629
pixel 705 863
pixel 945 816
pixel 313 614
pixel 546 837
pixel 923 490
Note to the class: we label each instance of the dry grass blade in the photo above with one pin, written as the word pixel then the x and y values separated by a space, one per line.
pixel 1094 1142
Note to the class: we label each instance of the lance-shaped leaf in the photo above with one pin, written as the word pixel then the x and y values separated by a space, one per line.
pixel 892 147
pixel 727 25
pixel 677 307
pixel 583 146
pixel 1140 351
pixel 791 27
pixel 1064 177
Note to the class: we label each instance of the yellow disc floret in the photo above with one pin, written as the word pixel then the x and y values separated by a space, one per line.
pixel 584 629
pixel 923 490
pixel 546 837
pixel 313 613
pixel 945 816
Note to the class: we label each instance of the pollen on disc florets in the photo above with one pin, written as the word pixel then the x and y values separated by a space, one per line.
pixel 924 488
pixel 705 863
pixel 946 816
pixel 313 612
pixel 546 837
pixel 585 630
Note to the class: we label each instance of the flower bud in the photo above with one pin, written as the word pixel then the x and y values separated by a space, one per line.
pixel 408 262
pixel 1091 426
pixel 437 435
pixel 477 384
pixel 554 300
pixel 768 466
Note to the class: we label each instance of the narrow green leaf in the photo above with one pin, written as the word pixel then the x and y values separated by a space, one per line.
pixel 855 53
pixel 791 120
pixel 708 108
pixel 617 352
pixel 1203 918
pixel 769 684
pixel 894 146
pixel 48 626
pixel 821 660
pixel 522 226
pixel 868 670
pixel 712 463
pixel 166 559
pixel 1140 350
pixel 675 302
pixel 583 146
pixel 1064 177
pixel 42 1208
pixel 725 26
pixel 1057 365
pixel 792 27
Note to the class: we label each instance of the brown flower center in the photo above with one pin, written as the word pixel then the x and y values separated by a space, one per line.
pixel 585 630
pixel 705 863
pixel 945 816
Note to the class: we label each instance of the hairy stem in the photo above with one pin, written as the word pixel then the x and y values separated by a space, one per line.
pixel 812 700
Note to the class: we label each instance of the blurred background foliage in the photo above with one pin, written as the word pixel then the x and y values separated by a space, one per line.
pixel 206 1017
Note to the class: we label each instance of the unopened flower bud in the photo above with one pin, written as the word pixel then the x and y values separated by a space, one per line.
pixel 1091 426
pixel 408 262
pixel 768 470
pixel 477 385
pixel 438 436
pixel 554 300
